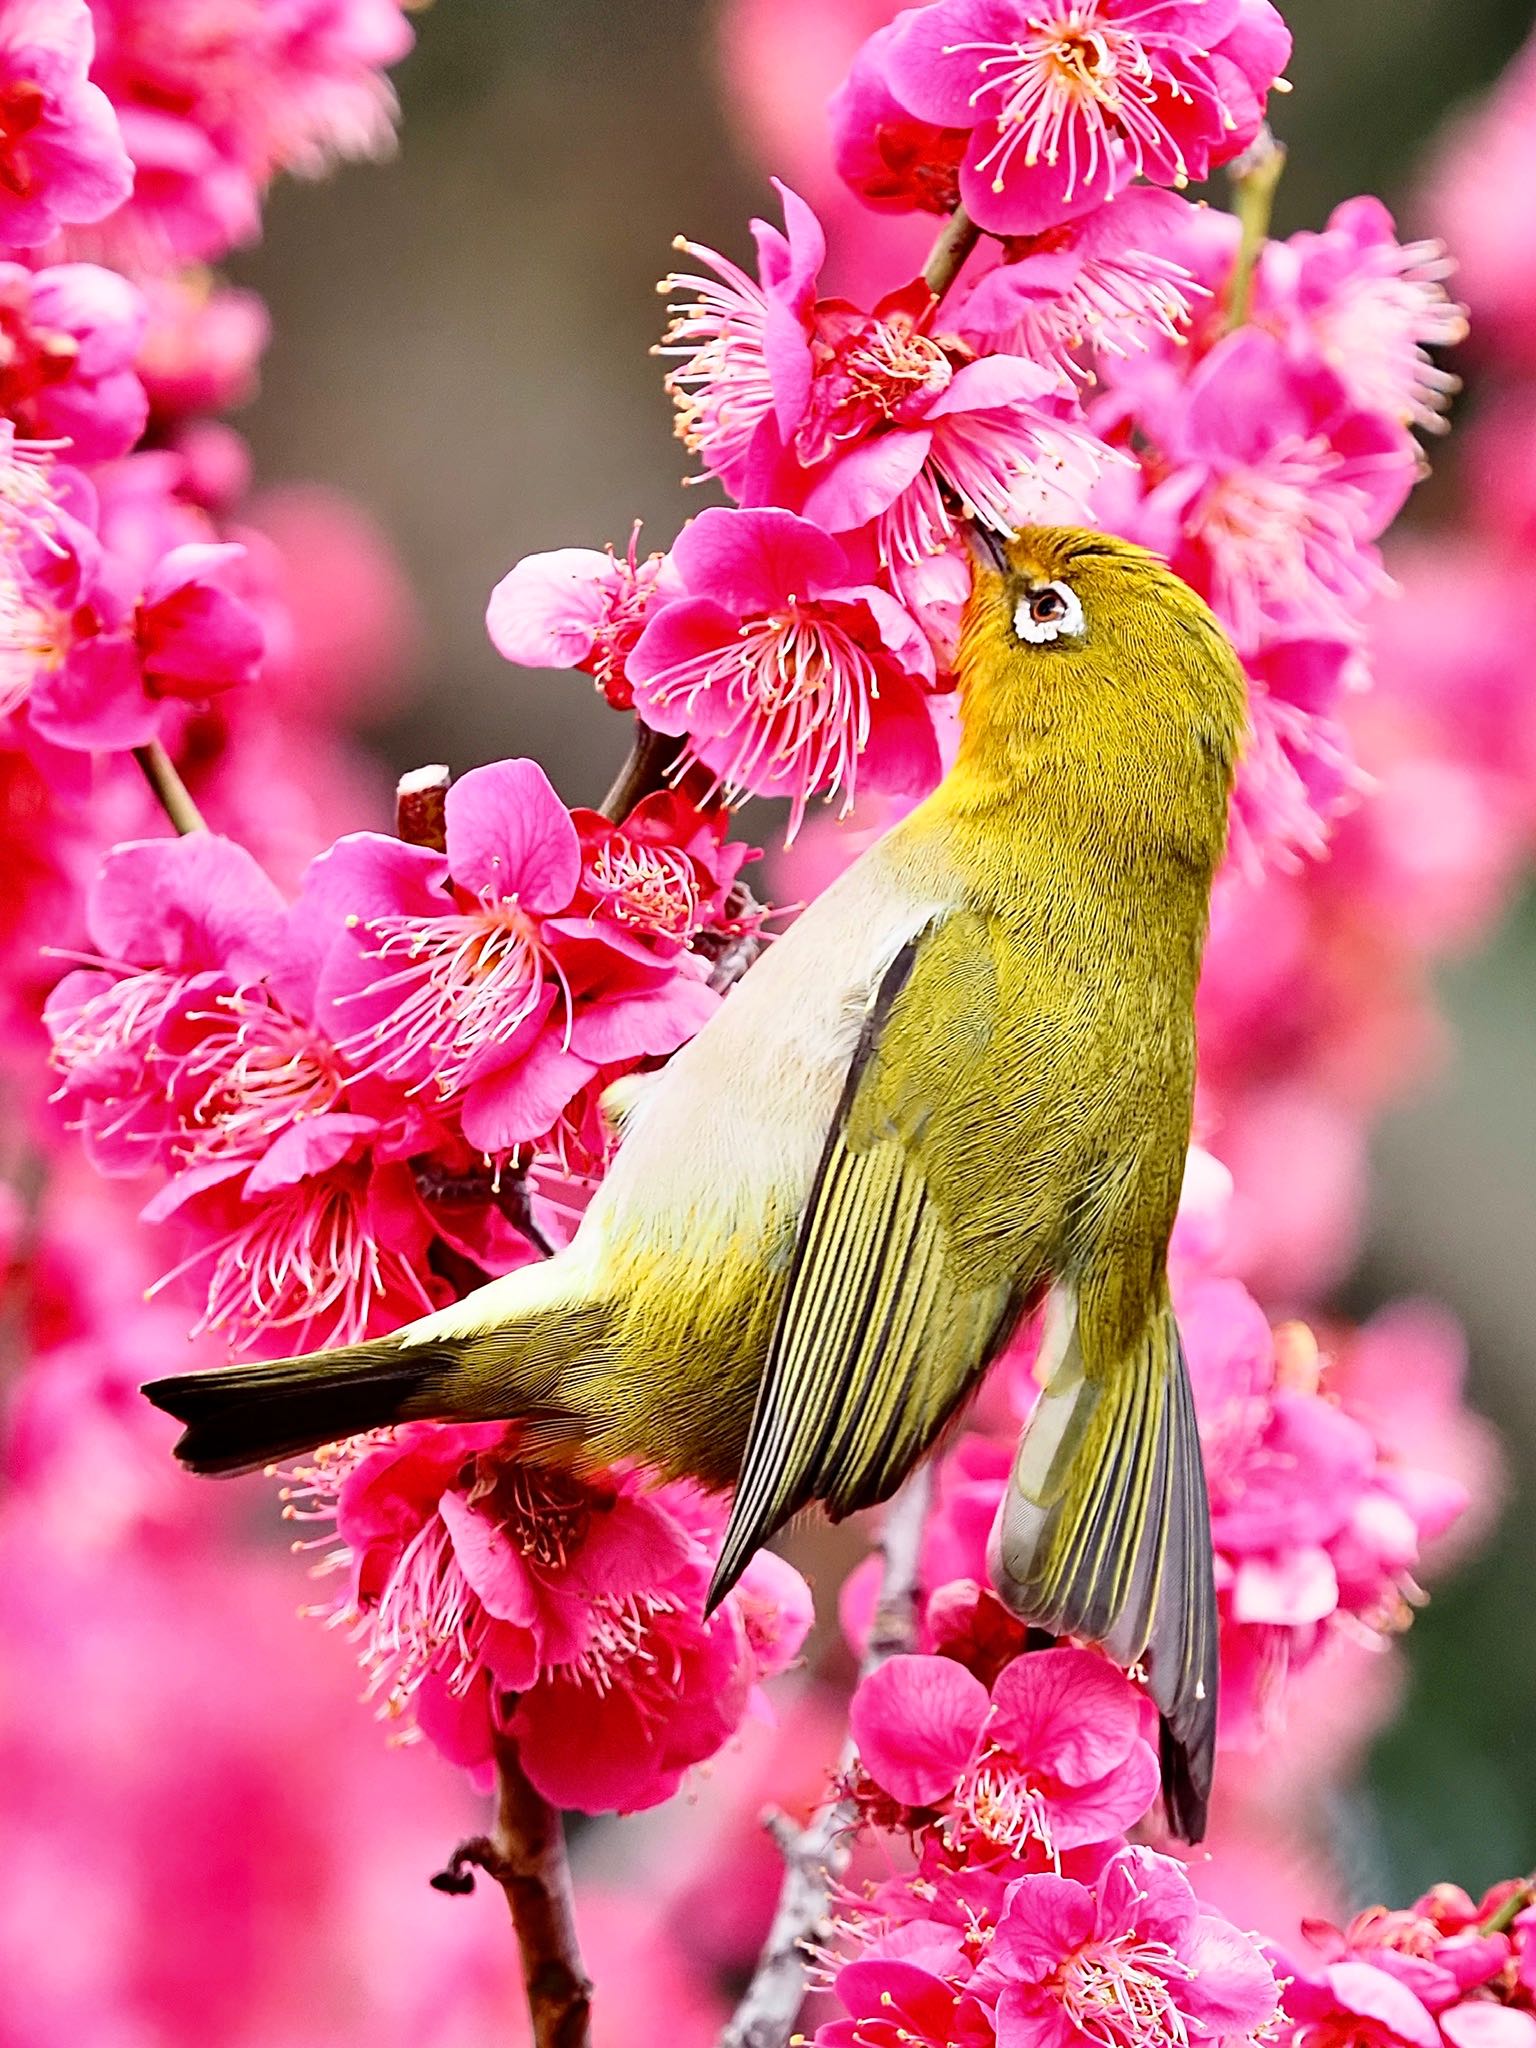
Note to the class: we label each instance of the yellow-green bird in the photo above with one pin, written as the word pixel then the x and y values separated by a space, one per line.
pixel 959 1085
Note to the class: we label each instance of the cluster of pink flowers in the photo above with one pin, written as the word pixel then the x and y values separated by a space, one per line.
pixel 1443 1973
pixel 318 1084
pixel 1326 1490
pixel 1026 1916
pixel 499 1599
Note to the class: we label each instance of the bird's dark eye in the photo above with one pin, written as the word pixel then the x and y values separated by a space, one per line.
pixel 1048 612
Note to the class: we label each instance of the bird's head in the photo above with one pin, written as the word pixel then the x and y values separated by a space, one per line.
pixel 1088 643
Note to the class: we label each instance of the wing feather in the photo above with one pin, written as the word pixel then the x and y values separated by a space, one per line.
pixel 876 1342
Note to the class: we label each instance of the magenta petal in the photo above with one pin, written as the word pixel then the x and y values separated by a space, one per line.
pixel 1479 2024
pixel 916 1721
pixel 1100 1811
pixel 646 1024
pixel 591 1752
pixel 523 1103
pixel 1044 1918
pixel 511 1654
pixel 194 903
pixel 690 629
pixel 308 1148
pixel 1232 1989
pixel 457 1724
pixel 510 837
pixel 95 701
pixel 1371 1994
pixel 857 487
pixel 927 64
pixel 1067 1713
pixel 1033 198
pixel 632 1546
pixel 995 383
pixel 750 559
pixel 490 1561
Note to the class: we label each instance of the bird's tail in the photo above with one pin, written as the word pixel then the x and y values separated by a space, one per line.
pixel 251 1415
pixel 1104 1533
pixel 502 1352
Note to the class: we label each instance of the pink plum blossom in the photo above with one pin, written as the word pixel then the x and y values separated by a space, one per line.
pixel 1131 1960
pixel 578 608
pixel 785 673
pixel 562 1612
pixel 61 152
pixel 859 419
pixel 69 337
pixel 202 344
pixel 1066 104
pixel 1274 485
pixel 477 981
pixel 1372 307
pixel 188 1046
pixel 1107 282
pixel 1057 1753
pixel 211 111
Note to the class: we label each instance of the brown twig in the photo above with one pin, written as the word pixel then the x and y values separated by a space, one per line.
pixel 174 797
pixel 946 259
pixel 526 1856
pixel 652 758
pixel 421 807
pixel 1254 177
pixel 816 1856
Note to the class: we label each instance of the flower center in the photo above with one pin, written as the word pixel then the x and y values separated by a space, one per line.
pixel 998 1801
pixel 545 1514
pixel 457 984
pixel 1117 1993
pixel 889 366
pixel 1070 88
pixel 649 888
pixel 794 691
pixel 307 1255
pixel 1282 537
pixel 259 1071
pixel 22 106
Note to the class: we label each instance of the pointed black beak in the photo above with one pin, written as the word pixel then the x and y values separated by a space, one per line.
pixel 987 549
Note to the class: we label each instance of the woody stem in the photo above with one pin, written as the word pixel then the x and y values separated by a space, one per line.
pixel 816 1856
pixel 174 797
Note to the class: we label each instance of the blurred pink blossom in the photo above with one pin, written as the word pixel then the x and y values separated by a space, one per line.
pixel 61 152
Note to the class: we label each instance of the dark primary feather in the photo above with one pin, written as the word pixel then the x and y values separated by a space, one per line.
pixel 1112 1542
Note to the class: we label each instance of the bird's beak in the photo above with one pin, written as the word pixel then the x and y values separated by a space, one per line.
pixel 986 549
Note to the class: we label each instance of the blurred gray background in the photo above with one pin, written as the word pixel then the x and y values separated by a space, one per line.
pixel 461 341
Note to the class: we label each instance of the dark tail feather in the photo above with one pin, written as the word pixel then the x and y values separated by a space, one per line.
pixel 246 1416
pixel 1104 1533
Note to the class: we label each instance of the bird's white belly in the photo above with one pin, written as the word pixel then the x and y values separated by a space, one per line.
pixel 728 1137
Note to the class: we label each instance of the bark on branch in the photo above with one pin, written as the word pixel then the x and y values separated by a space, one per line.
pixel 526 1856
pixel 816 1856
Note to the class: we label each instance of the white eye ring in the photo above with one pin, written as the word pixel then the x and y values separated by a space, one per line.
pixel 1050 611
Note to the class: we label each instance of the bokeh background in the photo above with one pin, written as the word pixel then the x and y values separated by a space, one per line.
pixel 461 341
